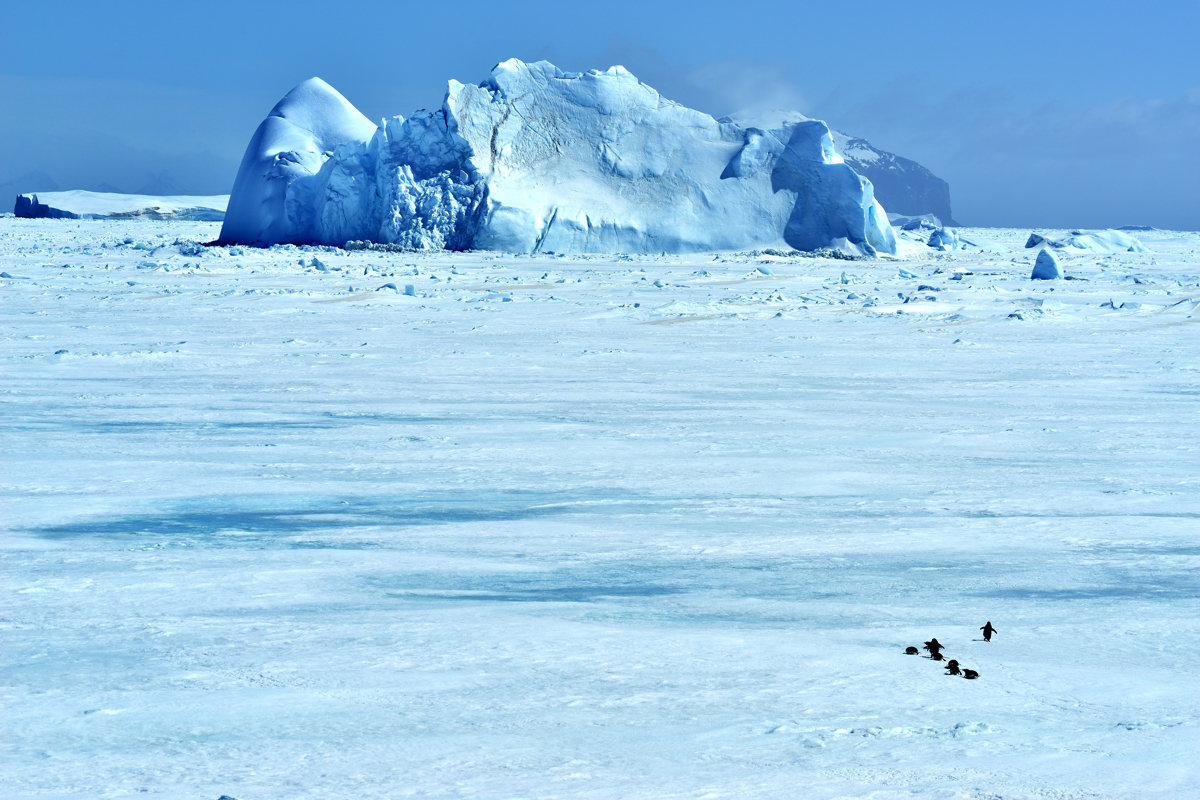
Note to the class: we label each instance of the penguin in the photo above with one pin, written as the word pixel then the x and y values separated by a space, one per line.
pixel 911 651
pixel 970 674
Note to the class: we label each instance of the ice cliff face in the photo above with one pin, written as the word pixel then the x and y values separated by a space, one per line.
pixel 535 159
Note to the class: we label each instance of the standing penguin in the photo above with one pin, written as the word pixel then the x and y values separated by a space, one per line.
pixel 935 648
pixel 988 630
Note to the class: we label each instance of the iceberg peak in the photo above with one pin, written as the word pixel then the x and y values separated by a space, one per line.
pixel 316 107
pixel 274 181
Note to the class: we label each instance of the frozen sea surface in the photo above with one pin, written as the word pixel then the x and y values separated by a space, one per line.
pixel 591 527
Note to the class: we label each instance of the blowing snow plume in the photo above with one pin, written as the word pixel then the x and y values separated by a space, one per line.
pixel 538 160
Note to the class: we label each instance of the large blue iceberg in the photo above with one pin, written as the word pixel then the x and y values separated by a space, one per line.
pixel 537 160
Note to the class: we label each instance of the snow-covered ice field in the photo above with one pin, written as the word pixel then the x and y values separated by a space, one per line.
pixel 593 527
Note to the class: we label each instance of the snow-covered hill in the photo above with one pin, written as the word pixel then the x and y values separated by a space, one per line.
pixel 534 159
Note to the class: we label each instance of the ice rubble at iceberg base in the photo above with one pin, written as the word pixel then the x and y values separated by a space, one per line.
pixel 538 160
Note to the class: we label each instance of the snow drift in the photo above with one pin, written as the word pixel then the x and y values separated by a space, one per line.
pixel 79 204
pixel 1107 241
pixel 536 160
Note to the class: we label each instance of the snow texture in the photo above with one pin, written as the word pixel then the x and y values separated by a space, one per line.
pixel 78 204
pixel 537 160
pixel 1108 241
pixel 541 528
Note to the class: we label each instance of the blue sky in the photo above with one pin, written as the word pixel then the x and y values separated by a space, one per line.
pixel 1037 113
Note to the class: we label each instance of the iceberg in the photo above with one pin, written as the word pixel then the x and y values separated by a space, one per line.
pixel 78 204
pixel 535 159
pixel 272 196
pixel 944 239
pixel 908 189
pixel 912 223
pixel 1046 267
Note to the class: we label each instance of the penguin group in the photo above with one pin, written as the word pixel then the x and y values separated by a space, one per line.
pixel 935 648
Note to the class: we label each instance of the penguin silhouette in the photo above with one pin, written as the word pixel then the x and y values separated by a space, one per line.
pixel 988 630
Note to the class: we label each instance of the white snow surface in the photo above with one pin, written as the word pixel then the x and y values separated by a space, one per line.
pixel 278 526
pixel 537 160
pixel 1108 241
pixel 79 204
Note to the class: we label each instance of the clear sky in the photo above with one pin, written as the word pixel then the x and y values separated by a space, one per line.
pixel 1041 114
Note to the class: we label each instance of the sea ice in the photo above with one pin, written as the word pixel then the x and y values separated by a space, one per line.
pixel 604 540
